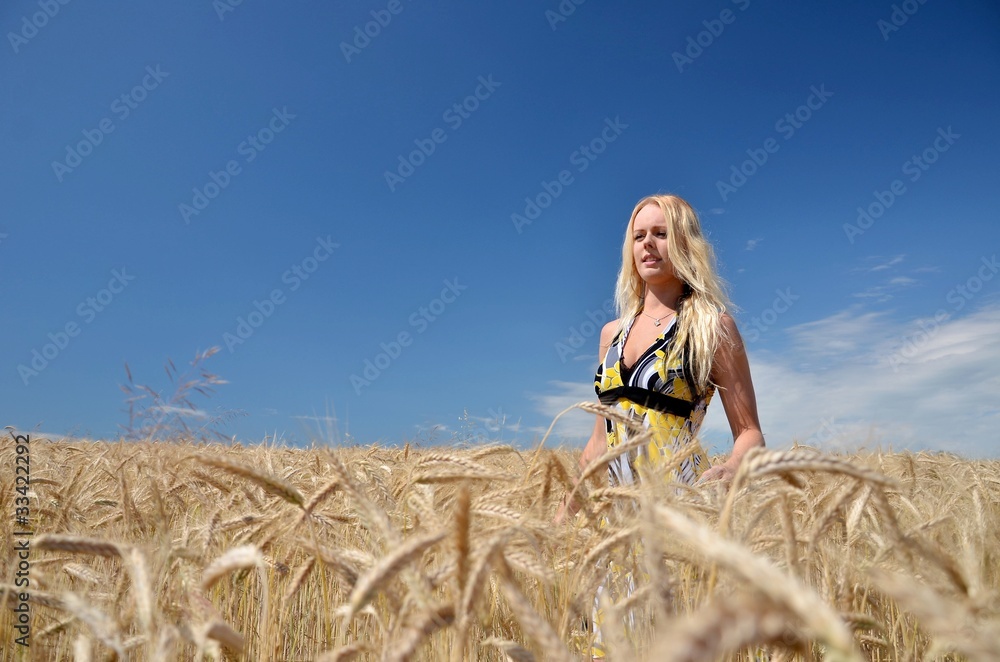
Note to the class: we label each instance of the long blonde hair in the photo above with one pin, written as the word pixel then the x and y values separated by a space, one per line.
pixel 700 308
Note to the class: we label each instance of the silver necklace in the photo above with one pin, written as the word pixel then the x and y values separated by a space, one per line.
pixel 656 320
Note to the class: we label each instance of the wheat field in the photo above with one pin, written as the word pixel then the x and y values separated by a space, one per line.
pixel 181 550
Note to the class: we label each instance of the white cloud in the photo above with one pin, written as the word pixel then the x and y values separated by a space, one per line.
pixel 573 427
pixel 752 243
pixel 945 397
pixel 885 291
pixel 885 265
pixel 858 379
pixel 180 411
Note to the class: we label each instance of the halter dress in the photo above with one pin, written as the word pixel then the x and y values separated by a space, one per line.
pixel 661 397
pixel 658 396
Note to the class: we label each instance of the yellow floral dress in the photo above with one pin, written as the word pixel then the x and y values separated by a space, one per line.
pixel 659 397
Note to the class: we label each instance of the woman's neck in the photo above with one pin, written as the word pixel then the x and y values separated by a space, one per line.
pixel 662 298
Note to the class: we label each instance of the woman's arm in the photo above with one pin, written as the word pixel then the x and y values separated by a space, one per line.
pixel 731 373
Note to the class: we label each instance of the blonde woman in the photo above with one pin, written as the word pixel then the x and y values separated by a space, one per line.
pixel 673 346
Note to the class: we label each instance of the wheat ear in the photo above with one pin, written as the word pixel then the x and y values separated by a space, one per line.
pixel 76 544
pixel 270 484
pixel 432 619
pixel 531 621
pixel 514 651
pixel 781 588
pixel 720 629
pixel 386 568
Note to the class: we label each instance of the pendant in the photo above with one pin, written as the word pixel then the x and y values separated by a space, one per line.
pixel 656 322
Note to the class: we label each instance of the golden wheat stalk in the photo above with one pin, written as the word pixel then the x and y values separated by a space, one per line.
pixel 434 458
pixel 164 650
pixel 83 572
pixel 952 623
pixel 237 558
pixel 759 462
pixel 321 494
pixel 76 544
pixel 514 651
pixel 720 629
pixel 602 410
pixel 530 564
pixel 142 594
pixel 765 462
pixel 613 540
pixel 781 588
pixel 81 648
pixel 387 567
pixel 224 634
pixel 343 654
pixel 374 517
pixel 462 526
pixel 533 624
pixel 447 475
pixel 104 629
pixel 299 579
pixel 430 621
pixel 495 449
pixel 267 482
pixel 349 564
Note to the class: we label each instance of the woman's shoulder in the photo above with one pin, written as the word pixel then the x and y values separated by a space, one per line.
pixel 608 333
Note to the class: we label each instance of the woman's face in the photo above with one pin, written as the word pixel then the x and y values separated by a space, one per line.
pixel 649 246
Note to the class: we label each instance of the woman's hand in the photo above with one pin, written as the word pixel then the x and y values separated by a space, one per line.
pixel 724 472
pixel 567 507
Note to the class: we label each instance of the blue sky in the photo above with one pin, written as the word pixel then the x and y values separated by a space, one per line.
pixel 444 199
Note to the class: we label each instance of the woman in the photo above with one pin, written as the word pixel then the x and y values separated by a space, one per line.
pixel 673 346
